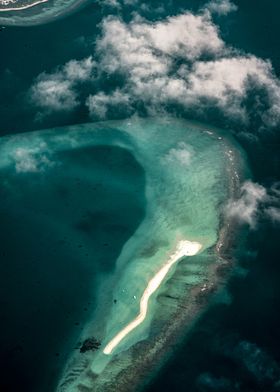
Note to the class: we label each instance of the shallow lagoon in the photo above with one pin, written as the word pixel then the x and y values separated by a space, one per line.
pixel 79 194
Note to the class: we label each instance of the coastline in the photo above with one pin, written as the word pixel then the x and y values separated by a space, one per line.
pixel 183 249
pixel 156 352
pixel 133 368
pixel 40 15
pixel 23 7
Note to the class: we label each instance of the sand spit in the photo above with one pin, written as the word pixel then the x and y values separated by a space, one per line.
pixel 184 248
pixel 132 370
pixel 126 359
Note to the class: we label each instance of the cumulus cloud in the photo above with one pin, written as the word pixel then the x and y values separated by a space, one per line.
pixel 81 70
pixel 272 211
pixel 254 202
pixel 225 82
pixel 183 60
pixel 245 208
pixel 100 103
pixel 57 91
pixel 178 62
pixel 274 214
pixel 53 94
pixel 144 48
pixel 32 159
pixel 181 155
pixel 145 54
pixel 257 362
pixel 221 7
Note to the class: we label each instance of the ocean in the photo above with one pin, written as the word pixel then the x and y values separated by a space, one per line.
pixel 46 291
pixel 61 232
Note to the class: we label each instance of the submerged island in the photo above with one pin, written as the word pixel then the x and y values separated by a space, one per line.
pixel 173 261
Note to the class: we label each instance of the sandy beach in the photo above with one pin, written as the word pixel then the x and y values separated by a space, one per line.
pixel 184 248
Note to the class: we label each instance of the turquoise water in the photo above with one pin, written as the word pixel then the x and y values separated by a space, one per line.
pixel 235 346
pixel 97 209
pixel 188 181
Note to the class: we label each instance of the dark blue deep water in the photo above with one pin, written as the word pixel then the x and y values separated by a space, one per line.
pixel 60 231
pixel 47 277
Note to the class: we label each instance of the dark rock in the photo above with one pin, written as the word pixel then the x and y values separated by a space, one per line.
pixel 90 344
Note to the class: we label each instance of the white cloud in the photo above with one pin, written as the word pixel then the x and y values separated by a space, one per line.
pixel 181 155
pixel 221 7
pixel 181 60
pixel 56 91
pixel 53 94
pixel 255 202
pixel 144 49
pixel 31 160
pixel 76 70
pixel 186 35
pixel 99 104
pixel 147 55
pixel 123 50
pixel 226 82
pixel 273 213
pixel 245 208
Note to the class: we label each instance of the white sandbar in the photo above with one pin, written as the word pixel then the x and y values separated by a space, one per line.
pixel 184 248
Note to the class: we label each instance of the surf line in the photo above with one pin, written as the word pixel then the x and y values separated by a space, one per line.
pixel 184 248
